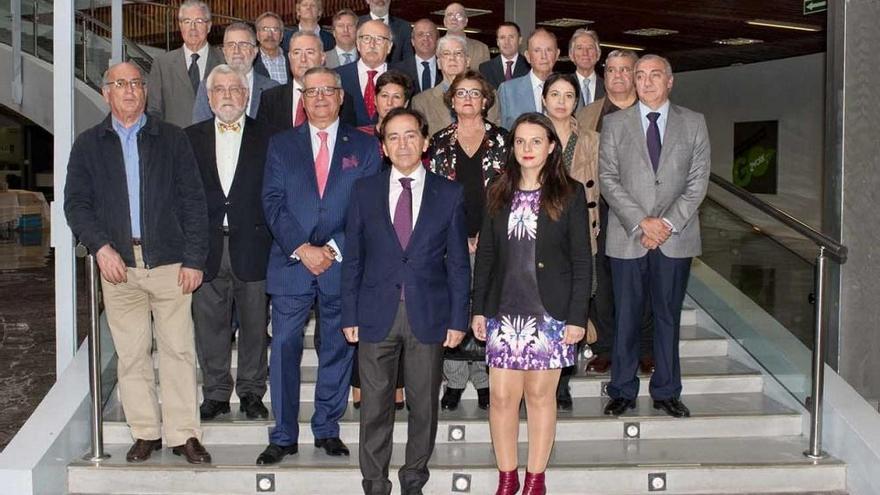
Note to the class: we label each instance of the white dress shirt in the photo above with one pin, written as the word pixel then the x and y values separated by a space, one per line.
pixel 297 94
pixel 203 59
pixel 432 67
pixel 537 88
pixel 331 131
pixel 644 110
pixel 227 145
pixel 504 61
pixel 377 18
pixel 591 83
pixel 250 82
pixel 362 73
pixel 418 189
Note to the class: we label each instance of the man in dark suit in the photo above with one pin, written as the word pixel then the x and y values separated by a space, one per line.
pixel 271 60
pixel 345 24
pixel 653 171
pixel 359 79
pixel 308 13
pixel 584 51
pixel 305 200
pixel 508 64
pixel 401 259
pixel 231 151
pixel 175 76
pixel 422 66
pixel 400 29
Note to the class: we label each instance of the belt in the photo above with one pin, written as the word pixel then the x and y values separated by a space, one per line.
pixel 136 241
pixel 226 231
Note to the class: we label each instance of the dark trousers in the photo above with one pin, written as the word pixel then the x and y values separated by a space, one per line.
pixel 212 314
pixel 422 364
pixel 289 316
pixel 663 281
pixel 356 374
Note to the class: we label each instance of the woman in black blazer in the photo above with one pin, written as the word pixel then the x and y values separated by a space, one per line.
pixel 531 293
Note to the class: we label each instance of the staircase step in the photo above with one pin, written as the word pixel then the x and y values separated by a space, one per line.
pixel 720 415
pixel 608 467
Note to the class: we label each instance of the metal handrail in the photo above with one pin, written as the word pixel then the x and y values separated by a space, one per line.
pixel 97 22
pixel 827 246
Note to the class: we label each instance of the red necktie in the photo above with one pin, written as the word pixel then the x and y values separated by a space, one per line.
pixel 300 115
pixel 322 163
pixel 508 73
pixel 370 94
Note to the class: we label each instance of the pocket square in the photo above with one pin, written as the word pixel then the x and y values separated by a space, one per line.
pixel 349 162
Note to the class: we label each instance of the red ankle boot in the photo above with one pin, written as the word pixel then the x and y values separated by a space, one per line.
pixel 534 484
pixel 508 482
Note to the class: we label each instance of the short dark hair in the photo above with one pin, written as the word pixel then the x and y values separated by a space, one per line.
pixel 394 76
pixel 471 75
pixel 570 79
pixel 509 24
pixel 401 111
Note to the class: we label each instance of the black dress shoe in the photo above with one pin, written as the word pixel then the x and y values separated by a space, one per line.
pixel 142 450
pixel 333 446
pixel 252 407
pixel 210 409
pixel 673 407
pixel 619 406
pixel 563 394
pixel 274 453
pixel 483 398
pixel 451 398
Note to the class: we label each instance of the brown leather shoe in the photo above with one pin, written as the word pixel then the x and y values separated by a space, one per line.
pixel 646 364
pixel 599 365
pixel 194 452
pixel 142 450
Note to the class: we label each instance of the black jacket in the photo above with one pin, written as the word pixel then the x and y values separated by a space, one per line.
pixel 408 67
pixel 276 107
pixel 249 238
pixel 493 69
pixel 174 218
pixel 562 262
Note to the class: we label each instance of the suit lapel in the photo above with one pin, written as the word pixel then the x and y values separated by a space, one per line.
pixel 304 143
pixel 382 202
pixel 672 134
pixel 340 149
pixel 179 68
pixel 634 127
pixel 210 144
pixel 287 102
pixel 429 197
pixel 247 143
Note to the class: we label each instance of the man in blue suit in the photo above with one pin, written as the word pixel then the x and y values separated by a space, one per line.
pixel 523 94
pixel 405 285
pixel 310 171
pixel 374 41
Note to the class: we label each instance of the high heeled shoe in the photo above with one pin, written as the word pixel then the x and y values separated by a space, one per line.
pixel 508 482
pixel 534 484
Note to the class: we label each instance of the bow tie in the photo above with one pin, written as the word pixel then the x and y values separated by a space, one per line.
pixel 234 127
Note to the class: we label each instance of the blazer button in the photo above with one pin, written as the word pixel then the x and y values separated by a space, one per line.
pixel 656 182
pixel 227 203
pixel 540 265
pixel 404 259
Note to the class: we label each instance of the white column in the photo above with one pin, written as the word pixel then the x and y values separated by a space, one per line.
pixel 116 32
pixel 522 12
pixel 15 10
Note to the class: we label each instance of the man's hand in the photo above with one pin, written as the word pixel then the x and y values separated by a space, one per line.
pixel 189 279
pixel 472 243
pixel 573 334
pixel 647 243
pixel 111 265
pixel 317 259
pixel 655 229
pixel 351 334
pixel 453 338
pixel 478 324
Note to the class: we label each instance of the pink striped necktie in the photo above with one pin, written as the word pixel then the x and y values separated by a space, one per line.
pixel 322 163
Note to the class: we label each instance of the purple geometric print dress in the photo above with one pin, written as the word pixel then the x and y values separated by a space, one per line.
pixel 523 336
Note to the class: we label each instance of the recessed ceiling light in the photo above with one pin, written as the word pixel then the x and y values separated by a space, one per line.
pixel 784 25
pixel 651 32
pixel 467 30
pixel 622 47
pixel 565 22
pixel 471 12
pixel 738 41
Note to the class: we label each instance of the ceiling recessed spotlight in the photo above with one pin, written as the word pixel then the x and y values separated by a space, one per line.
pixel 651 32
pixel 738 41
pixel 471 12
pixel 622 47
pixel 467 30
pixel 565 22
pixel 784 25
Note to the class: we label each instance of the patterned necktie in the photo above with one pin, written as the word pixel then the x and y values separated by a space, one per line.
pixel 322 163
pixel 403 213
pixel 300 115
pixel 426 75
pixel 347 57
pixel 193 72
pixel 370 94
pixel 508 72
pixel 654 145
pixel 586 92
pixel 233 127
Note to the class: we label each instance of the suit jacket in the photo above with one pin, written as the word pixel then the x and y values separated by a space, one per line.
pixel 515 97
pixel 439 116
pixel 562 262
pixel 249 238
pixel 588 116
pixel 327 39
pixel 202 109
pixel 634 191
pixel 402 32
pixel 352 86
pixel 260 67
pixel 276 107
pixel 600 91
pixel 477 51
pixel 296 214
pixel 434 269
pixel 170 95
pixel 408 67
pixel 493 70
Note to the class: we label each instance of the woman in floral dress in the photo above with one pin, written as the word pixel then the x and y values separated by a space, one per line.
pixel 531 292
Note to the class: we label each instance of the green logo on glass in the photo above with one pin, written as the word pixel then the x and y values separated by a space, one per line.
pixel 752 164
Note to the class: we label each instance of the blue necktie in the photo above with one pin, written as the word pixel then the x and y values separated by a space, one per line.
pixel 347 58
pixel 654 145
pixel 426 76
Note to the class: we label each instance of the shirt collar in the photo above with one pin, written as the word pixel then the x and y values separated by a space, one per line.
pixel 513 59
pixel 331 131
pixel 432 60
pixel 644 110
pixel 535 80
pixel 362 67
pixel 240 123
pixel 126 131
pixel 203 51
pixel 375 17
pixel 418 175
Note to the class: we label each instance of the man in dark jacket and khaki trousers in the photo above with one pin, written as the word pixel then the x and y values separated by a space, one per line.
pixel 134 198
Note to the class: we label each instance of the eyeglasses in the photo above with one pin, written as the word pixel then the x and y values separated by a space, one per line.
pixel 134 84
pixel 368 39
pixel 618 70
pixel 455 15
pixel 232 90
pixel 457 54
pixel 270 29
pixel 241 45
pixel 199 21
pixel 424 34
pixel 323 90
pixel 464 93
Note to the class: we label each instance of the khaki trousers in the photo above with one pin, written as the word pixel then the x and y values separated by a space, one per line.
pixel 129 306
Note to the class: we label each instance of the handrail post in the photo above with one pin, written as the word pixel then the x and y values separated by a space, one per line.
pixel 97 453
pixel 818 376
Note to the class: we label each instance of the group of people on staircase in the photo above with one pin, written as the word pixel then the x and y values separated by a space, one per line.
pixel 444 215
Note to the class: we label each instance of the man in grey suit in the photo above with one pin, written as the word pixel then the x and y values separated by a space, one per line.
pixel 175 76
pixel 654 165
pixel 345 24
pixel 239 49
pixel 523 94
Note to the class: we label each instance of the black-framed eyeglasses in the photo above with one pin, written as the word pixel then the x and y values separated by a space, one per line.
pixel 323 90
pixel 122 83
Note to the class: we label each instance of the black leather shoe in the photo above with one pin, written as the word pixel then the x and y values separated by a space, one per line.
pixel 142 450
pixel 483 398
pixel 564 401
pixel 333 446
pixel 274 453
pixel 210 409
pixel 619 406
pixel 193 451
pixel 451 398
pixel 252 407
pixel 673 407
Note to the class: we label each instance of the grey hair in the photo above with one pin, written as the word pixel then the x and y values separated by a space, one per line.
pixel 579 33
pixel 269 15
pixel 221 70
pixel 241 26
pixel 206 10
pixel 622 53
pixel 446 39
pixel 320 69
pixel 303 34
pixel 651 56
pixel 105 78
pixel 390 32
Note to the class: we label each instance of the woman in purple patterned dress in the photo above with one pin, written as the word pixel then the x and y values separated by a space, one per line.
pixel 531 291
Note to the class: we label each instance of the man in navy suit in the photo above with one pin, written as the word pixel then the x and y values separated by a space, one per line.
pixel 422 67
pixel 508 64
pixel 358 79
pixel 400 29
pixel 523 94
pixel 405 285
pixel 310 171
pixel 308 13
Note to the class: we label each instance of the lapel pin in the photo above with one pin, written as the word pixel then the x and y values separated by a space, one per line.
pixel 344 139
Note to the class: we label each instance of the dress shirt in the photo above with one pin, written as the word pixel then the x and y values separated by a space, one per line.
pixel 362 73
pixel 504 61
pixel 340 54
pixel 131 157
pixel 202 62
pixel 297 94
pixel 591 84
pixel 276 66
pixel 227 145
pixel 331 131
pixel 418 188
pixel 537 88
pixel 377 18
pixel 644 110
pixel 317 30
pixel 432 66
